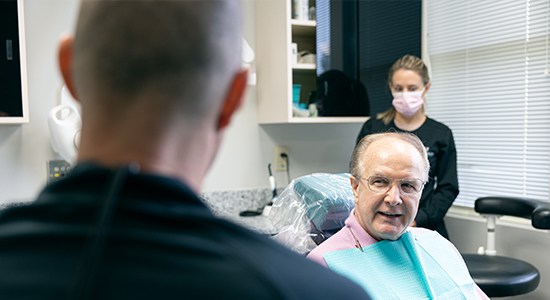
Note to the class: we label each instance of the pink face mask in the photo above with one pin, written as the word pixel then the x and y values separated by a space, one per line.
pixel 408 103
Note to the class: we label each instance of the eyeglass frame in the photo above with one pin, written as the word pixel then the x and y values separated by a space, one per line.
pixel 392 180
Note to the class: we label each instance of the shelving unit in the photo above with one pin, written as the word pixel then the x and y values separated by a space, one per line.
pixel 276 73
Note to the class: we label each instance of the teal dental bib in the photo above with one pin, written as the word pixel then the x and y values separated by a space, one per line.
pixel 423 266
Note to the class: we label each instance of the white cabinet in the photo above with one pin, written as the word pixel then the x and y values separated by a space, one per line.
pixel 276 72
pixel 13 67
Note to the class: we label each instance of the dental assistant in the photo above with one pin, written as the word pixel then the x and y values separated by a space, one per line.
pixel 409 83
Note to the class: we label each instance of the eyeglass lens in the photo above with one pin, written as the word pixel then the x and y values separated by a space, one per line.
pixel 382 184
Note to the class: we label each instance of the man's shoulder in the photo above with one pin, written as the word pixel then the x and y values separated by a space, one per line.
pixel 313 281
pixel 339 241
pixel 203 245
pixel 18 211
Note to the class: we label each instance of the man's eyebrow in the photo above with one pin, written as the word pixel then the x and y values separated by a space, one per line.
pixel 377 174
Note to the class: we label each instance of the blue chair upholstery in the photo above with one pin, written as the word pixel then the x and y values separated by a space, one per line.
pixel 500 276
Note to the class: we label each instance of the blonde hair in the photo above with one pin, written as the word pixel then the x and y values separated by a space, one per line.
pixel 407 62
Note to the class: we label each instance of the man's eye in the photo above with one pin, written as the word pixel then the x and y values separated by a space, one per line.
pixel 411 186
pixel 379 181
pixel 408 187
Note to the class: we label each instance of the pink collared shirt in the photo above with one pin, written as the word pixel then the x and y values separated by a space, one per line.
pixel 352 235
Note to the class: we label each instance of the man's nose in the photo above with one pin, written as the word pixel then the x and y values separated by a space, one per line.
pixel 393 196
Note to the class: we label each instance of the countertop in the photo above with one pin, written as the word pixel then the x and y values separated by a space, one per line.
pixel 228 204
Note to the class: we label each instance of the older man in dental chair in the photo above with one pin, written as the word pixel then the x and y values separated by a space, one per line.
pixel 378 247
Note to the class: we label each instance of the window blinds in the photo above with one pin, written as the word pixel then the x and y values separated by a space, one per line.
pixel 490 85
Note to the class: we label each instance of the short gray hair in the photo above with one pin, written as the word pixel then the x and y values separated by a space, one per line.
pixel 185 52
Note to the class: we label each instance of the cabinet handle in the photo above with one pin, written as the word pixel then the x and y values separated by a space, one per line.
pixel 9 50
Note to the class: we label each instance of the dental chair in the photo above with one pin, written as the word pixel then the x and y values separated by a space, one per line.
pixel 501 276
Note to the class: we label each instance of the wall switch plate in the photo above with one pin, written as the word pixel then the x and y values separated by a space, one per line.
pixel 57 169
pixel 281 163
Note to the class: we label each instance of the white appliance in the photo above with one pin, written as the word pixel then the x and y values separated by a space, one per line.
pixel 64 123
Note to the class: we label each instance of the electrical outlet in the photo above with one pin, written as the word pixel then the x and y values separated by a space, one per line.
pixel 281 163
pixel 57 169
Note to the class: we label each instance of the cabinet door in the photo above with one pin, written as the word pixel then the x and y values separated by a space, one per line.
pixel 338 88
pixel 387 31
pixel 13 100
pixel 357 42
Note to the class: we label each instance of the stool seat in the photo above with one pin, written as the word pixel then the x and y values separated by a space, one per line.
pixel 500 276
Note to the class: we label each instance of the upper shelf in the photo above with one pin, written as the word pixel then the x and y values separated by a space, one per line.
pixel 343 120
pixel 303 67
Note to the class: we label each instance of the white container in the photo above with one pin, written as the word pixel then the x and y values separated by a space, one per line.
pixel 300 9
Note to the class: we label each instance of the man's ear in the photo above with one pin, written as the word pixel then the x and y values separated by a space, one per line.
pixel 354 186
pixel 234 98
pixel 65 57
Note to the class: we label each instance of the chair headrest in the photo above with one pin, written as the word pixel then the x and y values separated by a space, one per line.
pixel 310 208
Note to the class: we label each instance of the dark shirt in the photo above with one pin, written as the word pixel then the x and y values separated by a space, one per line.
pixel 160 242
pixel 442 188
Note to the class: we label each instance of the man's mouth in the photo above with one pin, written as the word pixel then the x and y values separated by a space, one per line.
pixel 390 214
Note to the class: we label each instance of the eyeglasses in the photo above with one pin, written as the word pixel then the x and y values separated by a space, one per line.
pixel 381 184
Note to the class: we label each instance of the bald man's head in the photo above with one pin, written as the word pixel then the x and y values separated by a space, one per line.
pixel 182 51
pixel 357 162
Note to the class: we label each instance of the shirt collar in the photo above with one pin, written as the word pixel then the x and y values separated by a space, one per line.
pixel 361 234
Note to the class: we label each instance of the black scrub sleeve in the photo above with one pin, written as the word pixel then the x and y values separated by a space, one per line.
pixel 431 215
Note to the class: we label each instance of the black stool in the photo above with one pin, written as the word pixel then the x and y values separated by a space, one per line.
pixel 500 276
